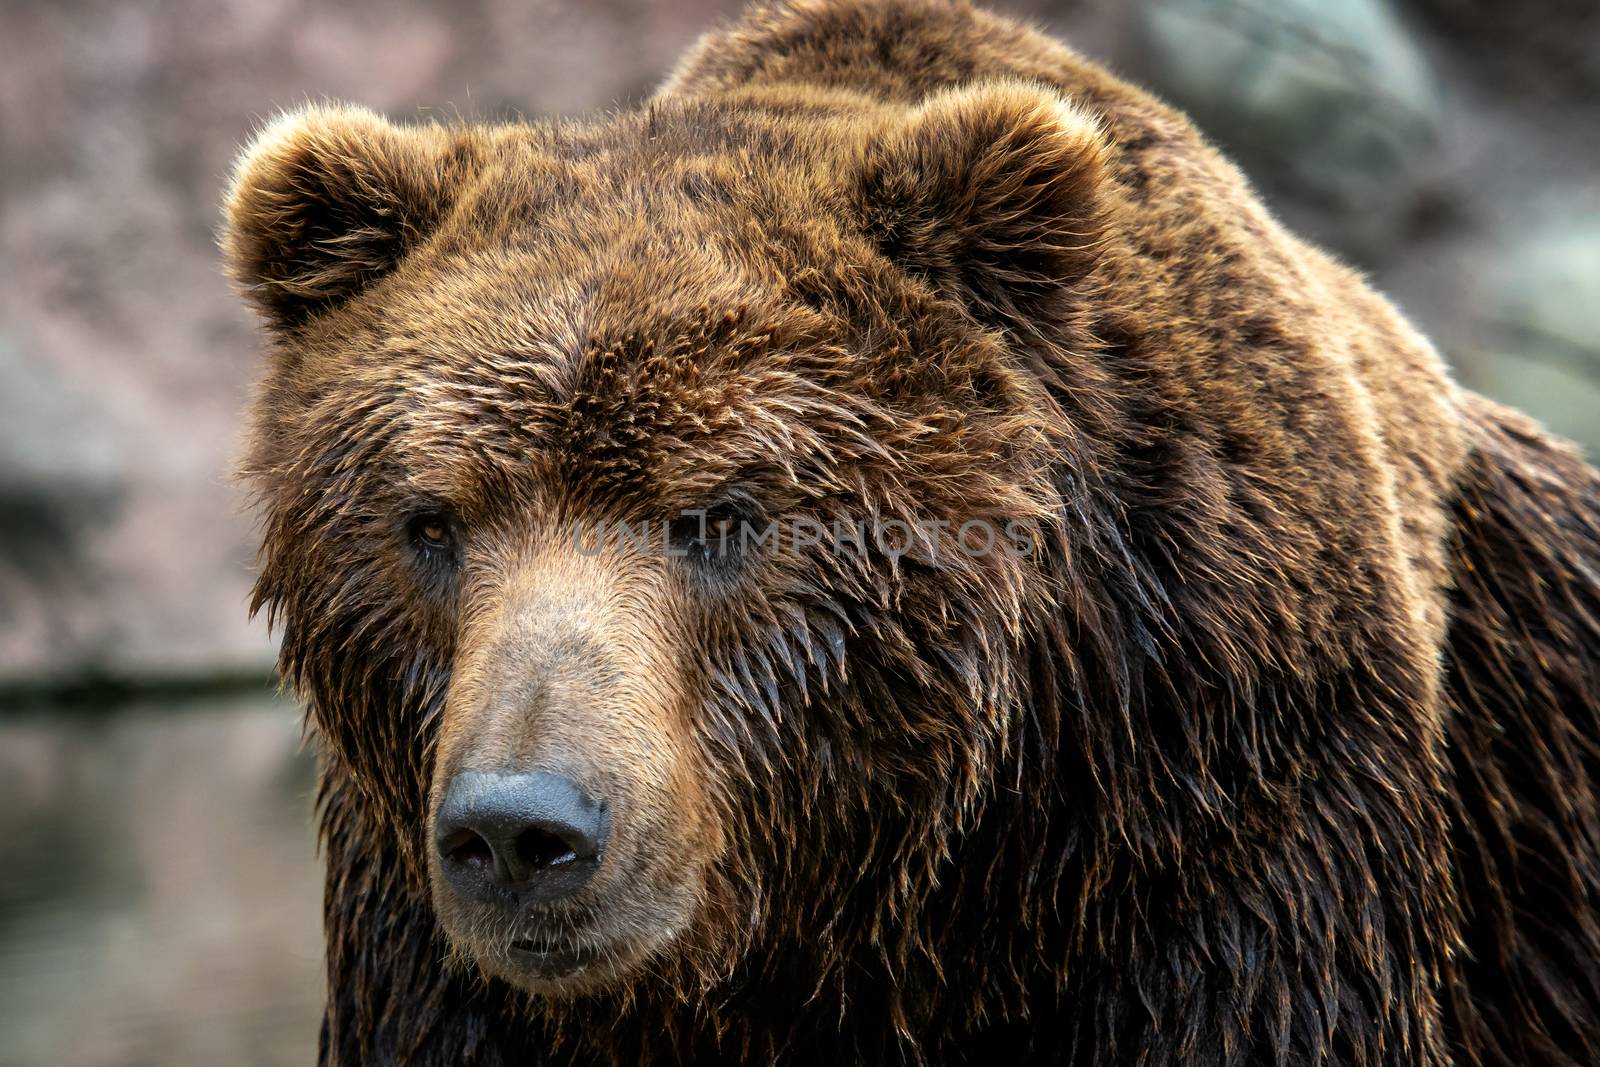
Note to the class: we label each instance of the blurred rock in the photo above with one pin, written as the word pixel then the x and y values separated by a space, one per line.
pixel 1547 46
pixel 1540 315
pixel 60 479
pixel 1331 106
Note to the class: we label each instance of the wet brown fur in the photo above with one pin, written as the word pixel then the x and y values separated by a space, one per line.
pixel 1280 747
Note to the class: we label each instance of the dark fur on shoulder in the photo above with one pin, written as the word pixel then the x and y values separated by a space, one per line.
pixel 1279 745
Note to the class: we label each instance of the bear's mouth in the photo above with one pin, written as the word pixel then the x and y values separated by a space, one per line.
pixel 542 958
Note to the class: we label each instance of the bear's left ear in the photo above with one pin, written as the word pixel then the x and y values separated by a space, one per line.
pixel 991 192
pixel 328 199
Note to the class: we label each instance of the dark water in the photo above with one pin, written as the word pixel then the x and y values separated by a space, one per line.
pixel 159 890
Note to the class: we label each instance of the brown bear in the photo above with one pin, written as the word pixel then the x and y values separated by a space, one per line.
pixel 1267 731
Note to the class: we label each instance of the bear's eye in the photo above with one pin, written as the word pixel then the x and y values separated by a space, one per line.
pixel 714 535
pixel 432 533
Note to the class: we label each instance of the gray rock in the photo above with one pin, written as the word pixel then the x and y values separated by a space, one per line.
pixel 61 481
pixel 58 472
pixel 1546 47
pixel 1329 106
pixel 1540 315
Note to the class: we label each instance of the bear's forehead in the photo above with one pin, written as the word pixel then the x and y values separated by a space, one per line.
pixel 638 329
pixel 695 174
pixel 563 245
pixel 612 310
pixel 488 373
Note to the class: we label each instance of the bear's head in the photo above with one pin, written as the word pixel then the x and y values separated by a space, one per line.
pixel 653 509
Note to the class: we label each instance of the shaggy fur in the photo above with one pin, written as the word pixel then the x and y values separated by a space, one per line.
pixel 1279 747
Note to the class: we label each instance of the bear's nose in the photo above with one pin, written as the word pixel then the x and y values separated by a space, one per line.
pixel 536 833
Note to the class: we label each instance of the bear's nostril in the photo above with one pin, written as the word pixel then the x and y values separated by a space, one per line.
pixel 468 849
pixel 540 848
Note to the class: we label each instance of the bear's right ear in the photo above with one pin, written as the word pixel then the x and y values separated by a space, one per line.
pixel 992 192
pixel 327 199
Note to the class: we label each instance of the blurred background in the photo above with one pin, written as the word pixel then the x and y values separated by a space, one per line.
pixel 159 894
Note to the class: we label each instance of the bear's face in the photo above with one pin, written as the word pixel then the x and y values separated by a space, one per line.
pixel 644 500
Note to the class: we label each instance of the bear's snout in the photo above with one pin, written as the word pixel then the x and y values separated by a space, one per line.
pixel 538 835
pixel 571 827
